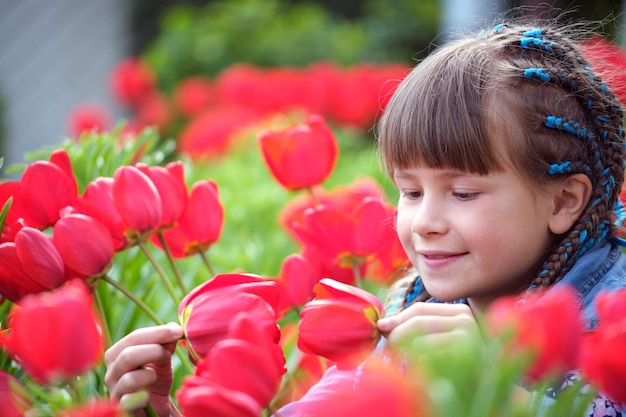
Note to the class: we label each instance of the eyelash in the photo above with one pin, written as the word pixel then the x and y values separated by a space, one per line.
pixel 412 195
pixel 465 196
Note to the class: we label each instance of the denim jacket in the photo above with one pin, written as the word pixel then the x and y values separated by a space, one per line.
pixel 602 268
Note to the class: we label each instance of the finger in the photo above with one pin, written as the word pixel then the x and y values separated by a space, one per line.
pixel 132 382
pixel 387 324
pixel 164 334
pixel 419 326
pixel 132 358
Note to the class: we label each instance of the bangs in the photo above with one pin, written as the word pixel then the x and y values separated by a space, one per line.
pixel 436 118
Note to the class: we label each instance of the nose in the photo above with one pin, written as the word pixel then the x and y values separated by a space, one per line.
pixel 430 217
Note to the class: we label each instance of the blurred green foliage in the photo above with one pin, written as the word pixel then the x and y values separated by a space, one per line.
pixel 208 38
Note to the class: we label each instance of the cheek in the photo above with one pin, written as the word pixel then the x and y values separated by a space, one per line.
pixel 404 220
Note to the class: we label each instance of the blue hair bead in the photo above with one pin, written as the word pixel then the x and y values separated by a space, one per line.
pixel 499 27
pixel 538 73
pixel 534 33
pixel 562 168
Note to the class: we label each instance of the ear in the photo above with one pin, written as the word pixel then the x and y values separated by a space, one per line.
pixel 570 199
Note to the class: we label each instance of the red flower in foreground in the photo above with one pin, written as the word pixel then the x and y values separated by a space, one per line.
pixel 602 359
pixel 247 360
pixel 84 244
pixel 45 188
pixel 380 389
pixel 12 401
pixel 302 155
pixel 201 397
pixel 340 323
pixel 206 312
pixel 42 333
pixel 95 408
pixel 547 327
pixel 29 265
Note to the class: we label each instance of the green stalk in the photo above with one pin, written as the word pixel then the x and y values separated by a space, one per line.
pixel 170 258
pixel 316 201
pixel 205 259
pixel 133 298
pixel 105 323
pixel 358 280
pixel 161 272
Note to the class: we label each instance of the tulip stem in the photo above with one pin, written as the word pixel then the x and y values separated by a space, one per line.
pixel 316 201
pixel 161 272
pixel 205 259
pixel 358 280
pixel 103 317
pixel 132 297
pixel 170 258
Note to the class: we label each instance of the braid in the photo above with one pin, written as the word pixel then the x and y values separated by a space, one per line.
pixel 559 62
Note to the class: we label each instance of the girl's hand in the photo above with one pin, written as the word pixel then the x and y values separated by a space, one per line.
pixel 142 361
pixel 434 323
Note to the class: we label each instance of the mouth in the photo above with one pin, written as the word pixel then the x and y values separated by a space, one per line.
pixel 438 259
pixel 440 255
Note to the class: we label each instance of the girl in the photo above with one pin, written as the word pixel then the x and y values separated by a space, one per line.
pixel 508 152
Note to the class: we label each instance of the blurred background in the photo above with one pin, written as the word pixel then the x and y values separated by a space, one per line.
pixel 56 56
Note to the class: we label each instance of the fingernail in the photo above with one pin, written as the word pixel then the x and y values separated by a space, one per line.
pixel 385 323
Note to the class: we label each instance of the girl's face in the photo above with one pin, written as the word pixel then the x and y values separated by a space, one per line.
pixel 472 236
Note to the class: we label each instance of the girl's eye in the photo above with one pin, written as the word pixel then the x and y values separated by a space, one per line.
pixel 411 195
pixel 465 196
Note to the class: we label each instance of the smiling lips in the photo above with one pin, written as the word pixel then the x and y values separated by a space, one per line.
pixel 439 259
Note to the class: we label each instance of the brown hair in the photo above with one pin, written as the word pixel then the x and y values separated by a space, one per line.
pixel 517 94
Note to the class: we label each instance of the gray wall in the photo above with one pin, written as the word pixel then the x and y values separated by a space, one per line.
pixel 54 55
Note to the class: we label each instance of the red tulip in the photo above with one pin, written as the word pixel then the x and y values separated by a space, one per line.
pixel 300 156
pixel 296 280
pixel 97 202
pixel 247 360
pixel 95 408
pixel 45 188
pixel 206 312
pixel 548 328
pixel 85 245
pixel 131 80
pixel 137 200
pixel 29 265
pixel 200 224
pixel 380 389
pixel 13 403
pixel 42 333
pixel 340 323
pixel 602 358
pixel 201 397
pixel 236 282
pixel 346 237
pixel 609 59
pixel 10 190
pixel 88 118
pixel 194 94
pixel 212 132
pixel 170 183
pixel 154 110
